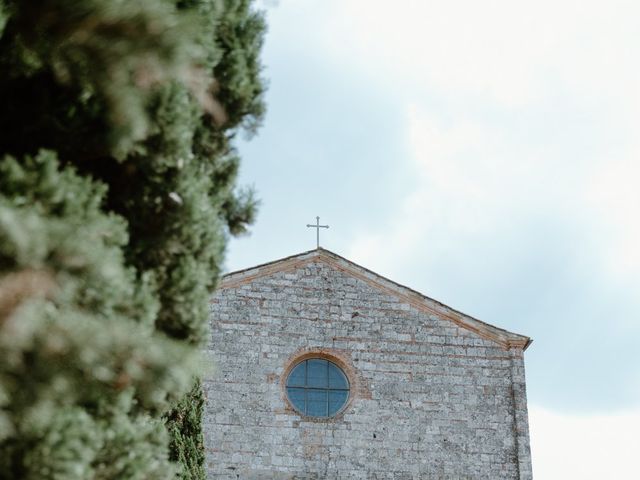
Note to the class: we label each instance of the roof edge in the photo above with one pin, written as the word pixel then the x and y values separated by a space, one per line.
pixel 229 280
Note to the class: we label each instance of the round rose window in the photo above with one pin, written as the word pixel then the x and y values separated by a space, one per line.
pixel 317 387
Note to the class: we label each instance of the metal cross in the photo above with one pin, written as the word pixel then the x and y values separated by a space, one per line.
pixel 317 226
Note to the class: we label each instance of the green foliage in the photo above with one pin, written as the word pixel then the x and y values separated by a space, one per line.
pixel 80 341
pixel 117 195
pixel 109 52
pixel 184 423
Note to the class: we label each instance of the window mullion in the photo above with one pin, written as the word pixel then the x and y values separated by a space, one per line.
pixel 326 393
pixel 306 403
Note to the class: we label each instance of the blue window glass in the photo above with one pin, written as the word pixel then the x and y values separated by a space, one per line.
pixel 317 387
pixel 296 395
pixel 337 398
pixel 337 379
pixel 317 403
pixel 297 376
pixel 317 373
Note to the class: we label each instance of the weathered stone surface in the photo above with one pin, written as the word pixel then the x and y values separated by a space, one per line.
pixel 431 399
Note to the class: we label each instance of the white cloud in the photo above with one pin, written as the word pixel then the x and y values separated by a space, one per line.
pixel 614 198
pixel 584 447
pixel 566 72
pixel 472 181
pixel 509 51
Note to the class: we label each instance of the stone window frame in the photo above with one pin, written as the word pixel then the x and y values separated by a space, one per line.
pixel 343 360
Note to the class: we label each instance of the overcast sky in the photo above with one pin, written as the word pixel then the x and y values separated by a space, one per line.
pixel 487 155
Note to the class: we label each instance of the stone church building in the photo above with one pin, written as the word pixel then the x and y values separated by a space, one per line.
pixel 326 370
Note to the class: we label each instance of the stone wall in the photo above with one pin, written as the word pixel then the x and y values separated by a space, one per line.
pixel 429 398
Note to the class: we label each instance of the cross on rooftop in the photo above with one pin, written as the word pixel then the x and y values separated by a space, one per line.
pixel 317 226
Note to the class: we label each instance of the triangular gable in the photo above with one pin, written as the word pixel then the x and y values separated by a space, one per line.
pixel 421 302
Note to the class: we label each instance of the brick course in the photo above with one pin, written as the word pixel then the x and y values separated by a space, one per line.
pixel 431 398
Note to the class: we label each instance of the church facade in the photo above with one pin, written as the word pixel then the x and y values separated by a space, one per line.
pixel 324 369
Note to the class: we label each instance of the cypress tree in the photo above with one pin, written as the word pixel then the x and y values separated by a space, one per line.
pixel 117 196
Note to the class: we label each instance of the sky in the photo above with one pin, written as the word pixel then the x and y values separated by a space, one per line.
pixel 487 155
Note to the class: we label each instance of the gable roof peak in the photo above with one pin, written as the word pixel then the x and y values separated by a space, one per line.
pixel 421 302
